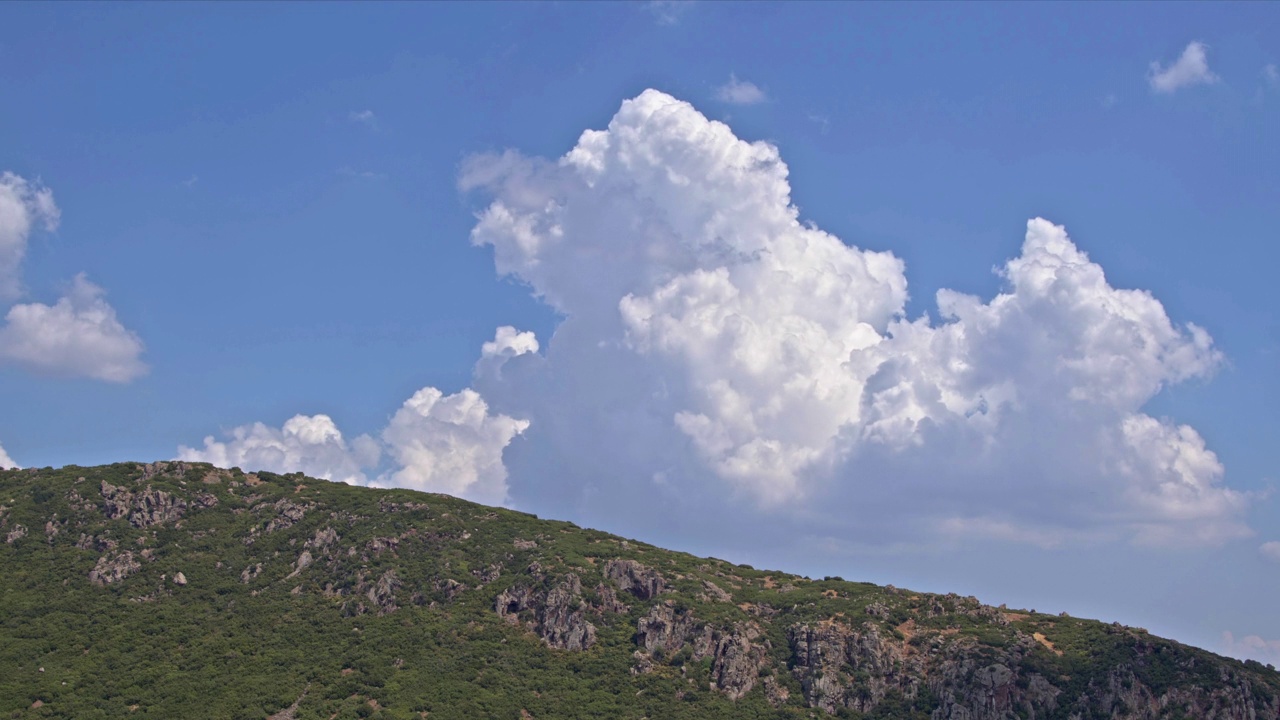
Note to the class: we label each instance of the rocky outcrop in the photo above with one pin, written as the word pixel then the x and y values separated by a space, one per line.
pixel 714 593
pixel 608 600
pixel 113 568
pixel 738 656
pixel 142 509
pixel 664 630
pixel 288 513
pixel 382 595
pixel 556 613
pixel 17 533
pixel 630 576
pixel 560 622
pixel 1122 695
pixel 826 657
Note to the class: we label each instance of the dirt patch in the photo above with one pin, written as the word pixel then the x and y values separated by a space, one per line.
pixel 830 594
pixel 1040 638
pixel 769 584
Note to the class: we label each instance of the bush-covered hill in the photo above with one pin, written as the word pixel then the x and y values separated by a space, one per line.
pixel 181 590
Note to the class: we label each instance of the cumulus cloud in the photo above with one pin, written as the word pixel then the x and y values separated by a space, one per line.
pixel 23 205
pixel 1251 647
pixel 6 461
pixel 451 444
pixel 740 92
pixel 309 444
pixel 77 336
pixel 1191 68
pixel 434 442
pixel 718 350
pixel 1270 550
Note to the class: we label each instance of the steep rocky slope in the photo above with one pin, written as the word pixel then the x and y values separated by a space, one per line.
pixel 181 590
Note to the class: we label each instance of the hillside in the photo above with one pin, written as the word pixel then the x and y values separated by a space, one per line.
pixel 181 590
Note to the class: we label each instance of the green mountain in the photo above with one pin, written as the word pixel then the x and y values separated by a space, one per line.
pixel 176 590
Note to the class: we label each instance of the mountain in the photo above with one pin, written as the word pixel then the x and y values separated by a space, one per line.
pixel 174 590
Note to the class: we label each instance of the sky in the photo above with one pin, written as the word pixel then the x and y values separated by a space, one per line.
pixel 958 297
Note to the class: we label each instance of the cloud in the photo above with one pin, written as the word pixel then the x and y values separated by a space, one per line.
pixel 722 355
pixel 1251 647
pixel 667 12
pixel 1270 550
pixel 434 442
pixel 451 444
pixel 1192 68
pixel 309 444
pixel 364 117
pixel 78 336
pixel 6 461
pixel 740 92
pixel 23 204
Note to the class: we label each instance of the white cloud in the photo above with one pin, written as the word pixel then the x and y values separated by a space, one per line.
pixel 78 336
pixel 1270 550
pixel 742 356
pixel 1251 647
pixel 435 442
pixel 667 12
pixel 6 461
pixel 364 117
pixel 740 92
pixel 309 444
pixel 23 204
pixel 451 444
pixel 1192 68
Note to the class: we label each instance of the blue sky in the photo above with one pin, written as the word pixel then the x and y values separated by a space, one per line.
pixel 280 210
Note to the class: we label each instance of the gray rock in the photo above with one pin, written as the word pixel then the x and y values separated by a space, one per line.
pixel 639 580
pixel 113 568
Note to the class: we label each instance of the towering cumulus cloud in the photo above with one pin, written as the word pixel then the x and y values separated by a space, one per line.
pixel 715 349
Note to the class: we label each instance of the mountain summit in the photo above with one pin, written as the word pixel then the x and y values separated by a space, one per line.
pixel 178 589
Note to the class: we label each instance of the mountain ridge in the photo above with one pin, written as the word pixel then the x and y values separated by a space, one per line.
pixel 180 589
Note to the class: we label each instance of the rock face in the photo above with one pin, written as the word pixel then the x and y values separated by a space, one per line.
pixel 630 576
pixel 557 613
pixel 113 568
pixel 664 629
pixel 142 509
pixel 383 593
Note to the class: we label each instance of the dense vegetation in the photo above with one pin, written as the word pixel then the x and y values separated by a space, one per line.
pixel 180 590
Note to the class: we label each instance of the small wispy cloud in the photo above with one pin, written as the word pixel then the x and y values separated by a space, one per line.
pixel 740 92
pixel 1109 101
pixel 364 117
pixel 823 122
pixel 1271 76
pixel 191 181
pixel 1271 550
pixel 1191 68
pixel 667 12
pixel 348 171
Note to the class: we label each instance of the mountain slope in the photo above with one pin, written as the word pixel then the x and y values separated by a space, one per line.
pixel 181 590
